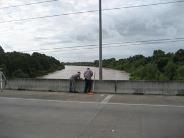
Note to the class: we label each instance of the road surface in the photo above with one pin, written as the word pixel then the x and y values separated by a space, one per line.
pixel 27 114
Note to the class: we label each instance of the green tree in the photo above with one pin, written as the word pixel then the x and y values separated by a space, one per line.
pixel 18 64
pixel 20 74
pixel 170 71
pixel 148 72
pixel 180 73
pixel 160 59
pixel 158 53
pixel 1 50
pixel 179 56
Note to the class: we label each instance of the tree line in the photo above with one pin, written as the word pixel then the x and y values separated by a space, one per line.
pixel 80 63
pixel 159 66
pixel 23 65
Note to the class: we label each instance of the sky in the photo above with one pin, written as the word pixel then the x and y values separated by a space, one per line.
pixel 75 37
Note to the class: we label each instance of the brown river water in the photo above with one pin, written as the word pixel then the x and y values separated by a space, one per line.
pixel 108 74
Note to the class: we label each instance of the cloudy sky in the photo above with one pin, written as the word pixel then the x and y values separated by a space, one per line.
pixel 74 37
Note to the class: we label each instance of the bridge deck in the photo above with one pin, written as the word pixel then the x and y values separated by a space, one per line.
pixel 28 114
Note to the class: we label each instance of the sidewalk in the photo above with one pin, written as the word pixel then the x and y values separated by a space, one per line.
pixel 102 98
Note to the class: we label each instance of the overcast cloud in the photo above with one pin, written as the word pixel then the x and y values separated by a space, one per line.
pixel 124 25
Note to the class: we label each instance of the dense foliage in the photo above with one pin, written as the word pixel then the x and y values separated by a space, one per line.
pixel 160 66
pixel 16 64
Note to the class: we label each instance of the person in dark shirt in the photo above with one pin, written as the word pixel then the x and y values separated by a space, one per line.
pixel 88 82
pixel 73 79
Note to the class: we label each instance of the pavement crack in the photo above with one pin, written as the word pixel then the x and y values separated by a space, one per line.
pixel 87 127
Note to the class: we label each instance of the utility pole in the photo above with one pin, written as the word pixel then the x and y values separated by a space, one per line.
pixel 100 40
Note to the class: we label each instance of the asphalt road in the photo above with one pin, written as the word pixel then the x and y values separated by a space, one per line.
pixel 63 115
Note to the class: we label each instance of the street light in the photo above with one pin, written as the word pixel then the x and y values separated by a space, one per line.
pixel 100 40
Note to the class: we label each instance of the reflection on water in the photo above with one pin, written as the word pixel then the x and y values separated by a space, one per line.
pixel 108 74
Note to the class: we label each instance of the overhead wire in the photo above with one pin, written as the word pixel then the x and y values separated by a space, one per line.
pixel 91 11
pixel 93 48
pixel 144 5
pixel 108 45
pixel 28 4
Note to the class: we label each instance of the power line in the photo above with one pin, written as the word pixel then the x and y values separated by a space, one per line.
pixel 151 40
pixel 57 48
pixel 120 44
pixel 28 4
pixel 91 11
pixel 92 48
pixel 170 41
pixel 113 43
pixel 117 44
pixel 134 6
pixel 143 5
pixel 49 16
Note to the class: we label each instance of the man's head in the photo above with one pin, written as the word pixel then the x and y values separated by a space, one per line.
pixel 88 68
pixel 79 72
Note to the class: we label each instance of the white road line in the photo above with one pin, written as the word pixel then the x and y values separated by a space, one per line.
pixel 148 105
pixel 43 100
pixel 107 99
pixel 83 102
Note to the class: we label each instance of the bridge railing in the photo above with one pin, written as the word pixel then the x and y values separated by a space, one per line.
pixel 105 86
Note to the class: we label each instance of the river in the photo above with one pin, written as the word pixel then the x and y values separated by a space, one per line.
pixel 108 74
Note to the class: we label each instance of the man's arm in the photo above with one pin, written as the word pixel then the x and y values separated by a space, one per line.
pixel 91 72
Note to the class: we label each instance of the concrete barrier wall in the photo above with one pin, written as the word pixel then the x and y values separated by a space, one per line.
pixel 106 86
pixel 151 87
pixel 38 84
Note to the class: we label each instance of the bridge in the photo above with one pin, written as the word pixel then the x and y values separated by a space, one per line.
pixel 41 108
